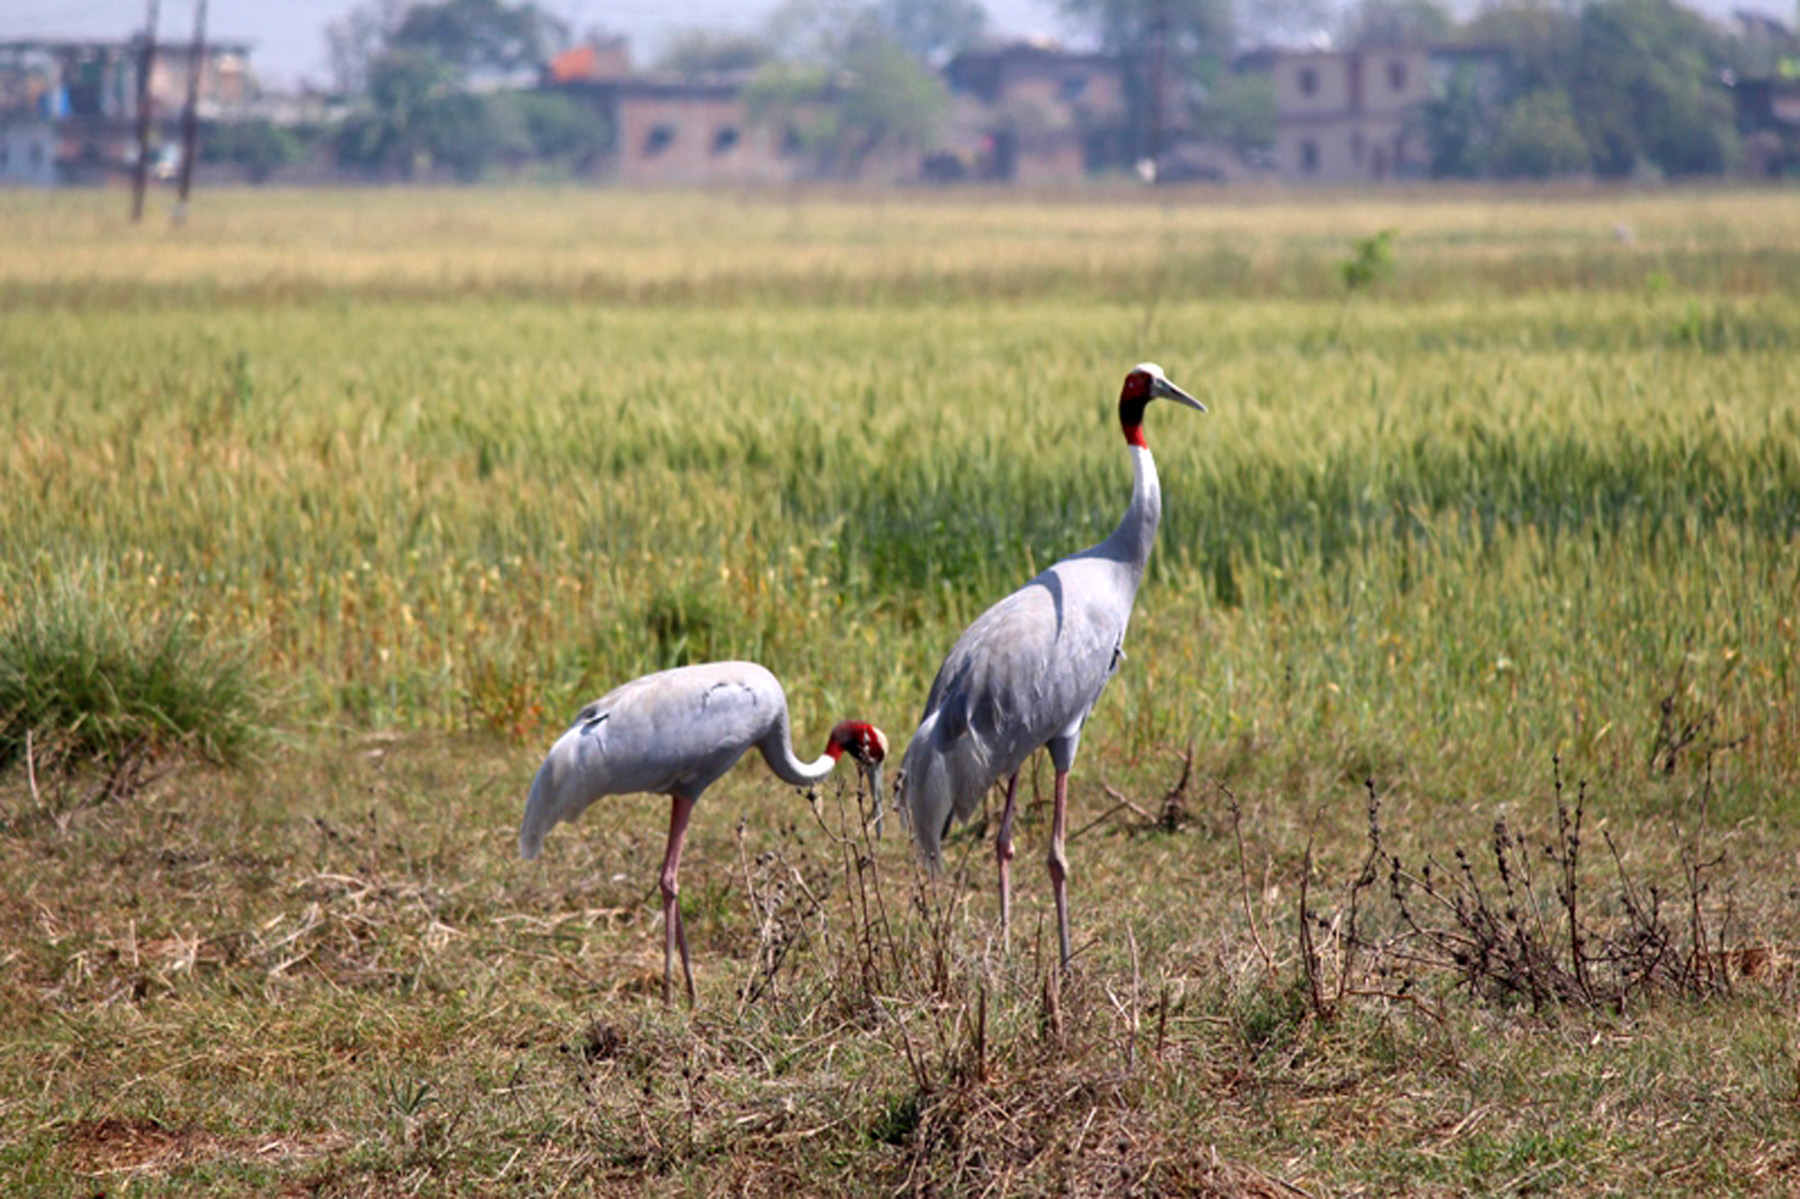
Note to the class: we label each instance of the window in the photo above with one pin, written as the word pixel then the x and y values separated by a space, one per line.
pixel 660 138
pixel 725 139
pixel 1309 157
pixel 1397 76
pixel 1072 88
pixel 1309 81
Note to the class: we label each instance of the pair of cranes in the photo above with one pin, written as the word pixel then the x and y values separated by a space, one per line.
pixel 1024 676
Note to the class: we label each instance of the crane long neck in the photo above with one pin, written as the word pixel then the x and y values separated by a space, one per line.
pixel 1132 541
pixel 778 751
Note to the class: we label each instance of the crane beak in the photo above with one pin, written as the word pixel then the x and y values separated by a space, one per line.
pixel 872 772
pixel 1162 389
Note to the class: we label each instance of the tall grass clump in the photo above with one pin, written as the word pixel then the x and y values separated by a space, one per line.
pixel 81 684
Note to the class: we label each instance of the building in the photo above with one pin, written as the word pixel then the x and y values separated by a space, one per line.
pixel 68 108
pixel 1031 112
pixel 1348 116
pixel 1765 94
pixel 696 131
pixel 674 130
pixel 683 131
pixel 670 130
pixel 1768 122
pixel 1022 112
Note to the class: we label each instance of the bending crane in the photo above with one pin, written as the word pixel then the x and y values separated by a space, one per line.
pixel 674 733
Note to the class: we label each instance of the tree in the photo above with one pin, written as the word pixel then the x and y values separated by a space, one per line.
pixel 461 133
pixel 416 64
pixel 844 86
pixel 881 98
pixel 1397 23
pixel 1638 78
pixel 1283 22
pixel 1539 138
pixel 1539 42
pixel 1644 89
pixel 258 147
pixel 391 135
pixel 1459 127
pixel 1240 111
pixel 357 39
pixel 471 37
pixel 476 37
pixel 707 52
pixel 890 98
pixel 933 30
pixel 1171 52
pixel 558 129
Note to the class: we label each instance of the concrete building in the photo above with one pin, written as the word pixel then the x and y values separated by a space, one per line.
pixel 672 131
pixel 1021 112
pixel 76 102
pixel 1031 112
pixel 1768 122
pixel 1348 116
pixel 683 131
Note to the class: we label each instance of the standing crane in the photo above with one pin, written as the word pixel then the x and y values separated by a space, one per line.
pixel 1029 670
pixel 674 733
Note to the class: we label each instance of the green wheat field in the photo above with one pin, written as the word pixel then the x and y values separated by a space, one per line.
pixel 1437 837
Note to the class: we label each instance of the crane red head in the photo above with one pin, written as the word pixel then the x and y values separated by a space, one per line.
pixel 859 739
pixel 868 746
pixel 1147 382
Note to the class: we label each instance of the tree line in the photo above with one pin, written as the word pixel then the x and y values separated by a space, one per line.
pixel 1611 88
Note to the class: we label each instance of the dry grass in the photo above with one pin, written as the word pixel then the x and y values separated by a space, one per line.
pixel 706 248
pixel 336 980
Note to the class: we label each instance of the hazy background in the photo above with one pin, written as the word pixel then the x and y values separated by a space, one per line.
pixel 288 36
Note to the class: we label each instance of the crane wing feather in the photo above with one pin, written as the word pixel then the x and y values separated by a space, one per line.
pixel 1026 673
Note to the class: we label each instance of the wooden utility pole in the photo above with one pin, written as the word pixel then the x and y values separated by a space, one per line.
pixel 1159 47
pixel 146 64
pixel 190 116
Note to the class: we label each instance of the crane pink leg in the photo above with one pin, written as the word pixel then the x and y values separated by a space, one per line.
pixel 1003 856
pixel 674 935
pixel 1059 862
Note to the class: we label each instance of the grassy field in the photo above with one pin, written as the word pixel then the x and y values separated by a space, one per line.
pixel 1437 837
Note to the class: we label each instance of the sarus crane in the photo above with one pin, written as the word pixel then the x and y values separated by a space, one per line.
pixel 674 733
pixel 1028 672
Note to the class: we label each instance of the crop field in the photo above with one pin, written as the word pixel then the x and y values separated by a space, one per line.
pixel 1439 835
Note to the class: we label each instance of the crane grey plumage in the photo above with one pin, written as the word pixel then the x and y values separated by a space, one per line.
pixel 1027 673
pixel 675 733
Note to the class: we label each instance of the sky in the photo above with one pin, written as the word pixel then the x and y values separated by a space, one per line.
pixel 287 37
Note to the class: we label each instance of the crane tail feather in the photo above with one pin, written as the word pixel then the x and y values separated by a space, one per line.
pixel 940 783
